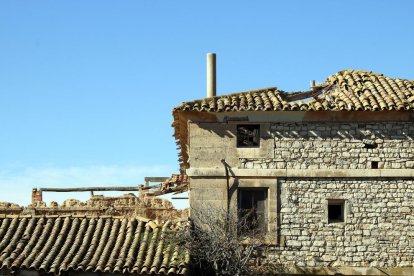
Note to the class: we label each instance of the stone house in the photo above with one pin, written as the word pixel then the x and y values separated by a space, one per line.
pixel 328 174
pixel 329 170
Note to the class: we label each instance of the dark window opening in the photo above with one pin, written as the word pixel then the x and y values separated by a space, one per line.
pixel 252 210
pixel 248 136
pixel 370 146
pixel 336 211
pixel 374 164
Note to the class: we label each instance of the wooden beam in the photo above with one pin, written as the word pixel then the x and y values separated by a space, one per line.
pixel 155 179
pixel 91 189
pixel 149 187
pixel 180 188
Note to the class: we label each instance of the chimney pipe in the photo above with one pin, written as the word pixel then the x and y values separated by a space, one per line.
pixel 211 75
pixel 312 84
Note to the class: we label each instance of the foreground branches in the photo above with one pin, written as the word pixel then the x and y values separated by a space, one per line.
pixel 227 244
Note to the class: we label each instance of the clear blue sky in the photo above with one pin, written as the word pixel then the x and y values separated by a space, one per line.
pixel 87 87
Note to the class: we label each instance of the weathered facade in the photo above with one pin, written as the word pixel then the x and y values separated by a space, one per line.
pixel 377 230
pixel 335 171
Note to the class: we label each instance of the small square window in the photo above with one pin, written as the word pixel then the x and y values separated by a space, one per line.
pixel 374 164
pixel 248 136
pixel 369 144
pixel 336 210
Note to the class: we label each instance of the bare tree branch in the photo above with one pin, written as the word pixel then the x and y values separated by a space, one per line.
pixel 222 243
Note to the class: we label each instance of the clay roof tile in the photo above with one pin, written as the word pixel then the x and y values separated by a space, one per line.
pixel 357 89
pixel 105 244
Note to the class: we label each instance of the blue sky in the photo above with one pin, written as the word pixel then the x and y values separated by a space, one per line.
pixel 87 87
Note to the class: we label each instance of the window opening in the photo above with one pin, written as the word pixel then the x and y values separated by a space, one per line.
pixel 374 164
pixel 370 144
pixel 336 208
pixel 252 210
pixel 248 136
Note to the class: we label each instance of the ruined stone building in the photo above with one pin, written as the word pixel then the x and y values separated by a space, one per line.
pixel 328 171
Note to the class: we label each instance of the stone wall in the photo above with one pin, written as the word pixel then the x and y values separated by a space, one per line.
pixel 326 145
pixel 378 228
pixel 128 205
pixel 210 143
pixel 379 219
pixel 8 208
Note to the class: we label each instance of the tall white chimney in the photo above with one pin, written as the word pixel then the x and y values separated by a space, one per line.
pixel 211 75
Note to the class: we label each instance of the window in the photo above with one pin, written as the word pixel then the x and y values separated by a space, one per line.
pixel 369 144
pixel 248 136
pixel 374 164
pixel 336 210
pixel 252 209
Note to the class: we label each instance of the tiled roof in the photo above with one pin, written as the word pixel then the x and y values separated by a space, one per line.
pixel 345 90
pixel 54 244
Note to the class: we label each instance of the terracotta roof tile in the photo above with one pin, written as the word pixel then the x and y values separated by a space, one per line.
pixel 54 244
pixel 345 90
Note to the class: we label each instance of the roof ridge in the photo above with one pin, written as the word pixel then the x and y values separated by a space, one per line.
pixel 140 218
pixel 250 91
pixel 362 71
pixel 270 88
